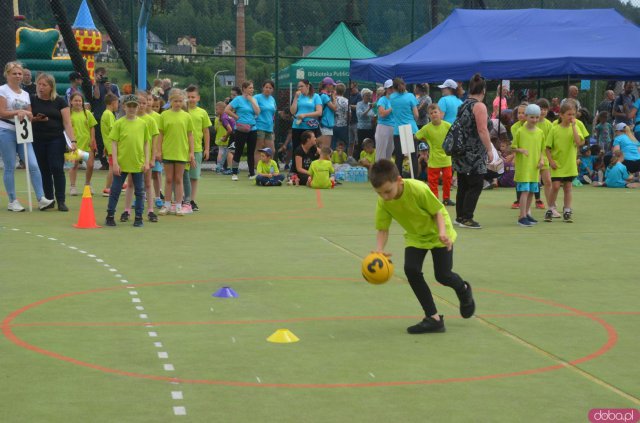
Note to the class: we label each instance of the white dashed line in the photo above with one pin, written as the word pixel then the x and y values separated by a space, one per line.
pixel 144 316
pixel 180 411
pixel 168 367
pixel 157 344
pixel 153 334
pixel 139 308
pixel 163 354
pixel 176 395
pixel 136 300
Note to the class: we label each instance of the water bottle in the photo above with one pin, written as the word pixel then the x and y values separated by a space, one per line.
pixel 272 170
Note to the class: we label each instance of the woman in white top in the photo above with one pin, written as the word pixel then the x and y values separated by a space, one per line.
pixel 14 101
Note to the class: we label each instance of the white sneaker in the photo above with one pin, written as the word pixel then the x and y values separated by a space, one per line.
pixel 234 177
pixel 587 179
pixel 15 206
pixel 73 190
pixel 252 177
pixel 179 211
pixel 44 202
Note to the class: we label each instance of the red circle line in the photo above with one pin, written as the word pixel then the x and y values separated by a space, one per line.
pixel 612 338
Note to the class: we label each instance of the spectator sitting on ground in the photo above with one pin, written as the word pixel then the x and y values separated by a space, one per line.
pixel 267 170
pixel 617 175
pixel 322 174
pixel 626 142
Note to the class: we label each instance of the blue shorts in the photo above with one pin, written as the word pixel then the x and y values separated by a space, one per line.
pixel 528 187
pixel 158 166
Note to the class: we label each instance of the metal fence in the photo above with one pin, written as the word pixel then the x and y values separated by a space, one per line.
pixel 219 43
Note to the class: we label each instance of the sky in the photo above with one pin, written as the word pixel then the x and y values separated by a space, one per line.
pixel 633 2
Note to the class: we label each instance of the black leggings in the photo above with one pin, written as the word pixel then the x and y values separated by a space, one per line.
pixel 442 264
pixel 469 190
pixel 50 157
pixel 240 139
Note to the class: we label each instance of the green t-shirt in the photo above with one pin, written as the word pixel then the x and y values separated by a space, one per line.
pixel 221 132
pixel 175 127
pixel 527 166
pixel 546 126
pixel 434 135
pixel 82 123
pixel 130 137
pixel 321 171
pixel 563 149
pixel 265 168
pixel 582 130
pixel 153 132
pixel 515 127
pixel 106 123
pixel 338 158
pixel 156 116
pixel 415 211
pixel 200 122
pixel 371 157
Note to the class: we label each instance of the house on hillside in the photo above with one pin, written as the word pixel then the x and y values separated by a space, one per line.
pixel 224 48
pixel 155 43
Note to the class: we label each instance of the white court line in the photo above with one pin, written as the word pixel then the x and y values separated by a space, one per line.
pixel 144 316
pixel 162 354
pixel 169 367
pixel 176 395
pixel 153 334
pixel 136 300
pixel 180 411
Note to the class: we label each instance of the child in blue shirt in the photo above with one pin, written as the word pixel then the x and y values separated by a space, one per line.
pixel 617 175
pixel 586 166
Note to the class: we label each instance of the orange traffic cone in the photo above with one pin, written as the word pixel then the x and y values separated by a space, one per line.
pixel 87 218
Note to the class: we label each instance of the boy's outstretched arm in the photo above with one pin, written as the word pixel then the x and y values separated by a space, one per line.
pixel 381 242
pixel 442 231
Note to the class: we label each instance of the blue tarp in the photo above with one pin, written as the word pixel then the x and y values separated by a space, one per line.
pixel 515 44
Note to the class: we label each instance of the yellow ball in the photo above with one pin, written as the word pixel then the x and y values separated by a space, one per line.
pixel 377 268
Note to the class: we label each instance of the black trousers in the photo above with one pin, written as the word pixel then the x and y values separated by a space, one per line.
pixel 240 139
pixel 50 157
pixel 399 157
pixel 442 265
pixel 469 190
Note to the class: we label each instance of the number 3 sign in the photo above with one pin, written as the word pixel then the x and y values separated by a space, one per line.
pixel 24 134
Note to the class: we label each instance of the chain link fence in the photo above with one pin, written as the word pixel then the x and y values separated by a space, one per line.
pixel 217 44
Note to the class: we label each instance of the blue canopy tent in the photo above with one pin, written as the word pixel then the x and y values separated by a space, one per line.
pixel 515 44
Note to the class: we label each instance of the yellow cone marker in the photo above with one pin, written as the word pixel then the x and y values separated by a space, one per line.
pixel 283 336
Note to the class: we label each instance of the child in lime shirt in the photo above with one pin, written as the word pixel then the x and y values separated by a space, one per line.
pixel 154 106
pixel 267 170
pixel 439 163
pixel 106 123
pixel 368 153
pixel 562 151
pixel 175 147
pixel 545 173
pixel 130 151
pixel 339 157
pixel 84 124
pixel 201 142
pixel 321 171
pixel 428 228
pixel 528 144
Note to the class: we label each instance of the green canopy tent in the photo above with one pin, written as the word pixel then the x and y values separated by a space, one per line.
pixel 341 44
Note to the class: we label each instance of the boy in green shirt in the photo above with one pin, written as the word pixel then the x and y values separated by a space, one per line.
pixel 201 125
pixel 529 146
pixel 368 153
pixel 428 228
pixel 130 143
pixel 438 163
pixel 321 171
pixel 267 170
pixel 106 123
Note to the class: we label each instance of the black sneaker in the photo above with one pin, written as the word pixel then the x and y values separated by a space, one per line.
pixel 50 206
pixel 467 304
pixel 194 206
pixel 531 219
pixel 566 217
pixel 124 217
pixel 152 217
pixel 110 221
pixel 62 207
pixel 161 196
pixel 457 221
pixel 137 222
pixel 428 325
pixel 471 224
pixel 548 216
pixel 448 202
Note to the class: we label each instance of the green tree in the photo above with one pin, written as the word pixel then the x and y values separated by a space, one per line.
pixel 264 43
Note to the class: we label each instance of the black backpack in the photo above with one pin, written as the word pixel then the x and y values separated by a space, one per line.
pixel 454 142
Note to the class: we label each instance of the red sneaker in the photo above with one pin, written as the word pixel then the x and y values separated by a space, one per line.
pixel 539 204
pixel 515 205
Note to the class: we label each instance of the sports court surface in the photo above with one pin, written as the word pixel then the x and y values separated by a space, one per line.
pixel 120 325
